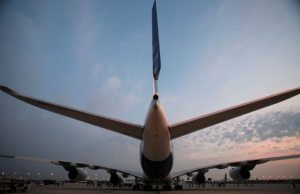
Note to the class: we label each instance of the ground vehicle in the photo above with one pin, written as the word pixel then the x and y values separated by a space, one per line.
pixel 51 182
pixel 14 185
pixel 39 183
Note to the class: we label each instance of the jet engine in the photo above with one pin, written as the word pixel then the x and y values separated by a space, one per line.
pixel 77 174
pixel 198 179
pixel 125 175
pixel 239 174
pixel 116 179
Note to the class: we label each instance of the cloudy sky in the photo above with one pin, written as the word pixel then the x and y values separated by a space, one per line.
pixel 96 56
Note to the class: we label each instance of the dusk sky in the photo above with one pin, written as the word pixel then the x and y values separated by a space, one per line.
pixel 97 56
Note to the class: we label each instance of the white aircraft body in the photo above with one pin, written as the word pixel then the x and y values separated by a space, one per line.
pixel 156 135
pixel 220 182
pixel 128 180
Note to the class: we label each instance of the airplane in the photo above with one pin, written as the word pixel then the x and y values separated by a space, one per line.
pixel 220 182
pixel 128 182
pixel 156 135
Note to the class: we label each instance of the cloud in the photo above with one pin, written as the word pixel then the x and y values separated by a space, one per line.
pixel 269 132
pixel 260 127
pixel 96 71
pixel 112 84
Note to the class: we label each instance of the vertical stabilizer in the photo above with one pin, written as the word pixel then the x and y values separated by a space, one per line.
pixel 155 49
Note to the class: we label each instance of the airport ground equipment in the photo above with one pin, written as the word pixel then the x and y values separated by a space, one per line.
pixel 14 185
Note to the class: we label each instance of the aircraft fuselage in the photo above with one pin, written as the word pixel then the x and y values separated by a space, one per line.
pixel 156 149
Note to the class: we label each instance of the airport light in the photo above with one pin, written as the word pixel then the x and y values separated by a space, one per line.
pixel 51 174
pixel 15 173
pixel 2 172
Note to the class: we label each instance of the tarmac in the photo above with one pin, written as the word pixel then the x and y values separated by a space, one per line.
pixel 69 188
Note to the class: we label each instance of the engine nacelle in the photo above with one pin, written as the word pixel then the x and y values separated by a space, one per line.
pixel 198 179
pixel 116 179
pixel 239 174
pixel 77 174
pixel 125 175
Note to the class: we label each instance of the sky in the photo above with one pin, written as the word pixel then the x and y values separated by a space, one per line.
pixel 97 56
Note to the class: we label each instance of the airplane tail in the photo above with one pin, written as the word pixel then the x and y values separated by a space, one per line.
pixel 155 51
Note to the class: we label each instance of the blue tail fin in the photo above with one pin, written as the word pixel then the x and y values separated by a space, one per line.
pixel 155 44
pixel 155 49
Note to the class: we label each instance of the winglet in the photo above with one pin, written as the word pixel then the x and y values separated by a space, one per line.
pixel 7 156
pixel 7 90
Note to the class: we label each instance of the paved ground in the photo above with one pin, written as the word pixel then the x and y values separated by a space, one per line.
pixel 256 189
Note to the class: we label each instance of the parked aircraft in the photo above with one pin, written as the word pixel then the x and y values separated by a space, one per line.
pixel 220 182
pixel 156 135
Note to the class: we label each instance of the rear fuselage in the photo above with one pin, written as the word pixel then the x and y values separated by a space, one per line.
pixel 156 149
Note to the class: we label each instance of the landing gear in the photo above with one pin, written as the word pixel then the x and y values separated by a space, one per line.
pixel 147 187
pixel 136 187
pixel 167 187
pixel 177 185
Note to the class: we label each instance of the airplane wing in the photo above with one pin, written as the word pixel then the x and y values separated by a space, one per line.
pixel 68 165
pixel 125 128
pixel 246 164
pixel 198 123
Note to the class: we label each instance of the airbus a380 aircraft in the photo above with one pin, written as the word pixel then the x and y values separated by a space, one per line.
pixel 156 149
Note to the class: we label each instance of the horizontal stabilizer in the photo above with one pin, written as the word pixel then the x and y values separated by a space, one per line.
pixel 198 123
pixel 125 128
